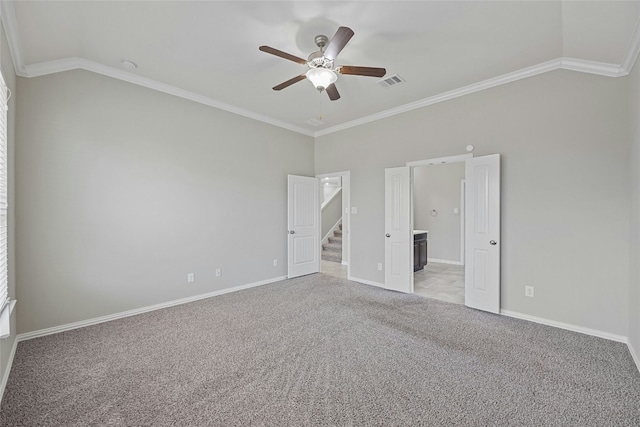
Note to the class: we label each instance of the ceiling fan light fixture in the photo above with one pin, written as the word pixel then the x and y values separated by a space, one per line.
pixel 321 78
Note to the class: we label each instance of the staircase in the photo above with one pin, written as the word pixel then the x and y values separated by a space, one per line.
pixel 332 251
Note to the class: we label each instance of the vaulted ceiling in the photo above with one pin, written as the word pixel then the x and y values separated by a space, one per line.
pixel 208 51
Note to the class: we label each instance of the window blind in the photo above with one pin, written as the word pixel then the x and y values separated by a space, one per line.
pixel 4 282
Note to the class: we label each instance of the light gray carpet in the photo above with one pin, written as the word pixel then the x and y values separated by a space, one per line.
pixel 319 350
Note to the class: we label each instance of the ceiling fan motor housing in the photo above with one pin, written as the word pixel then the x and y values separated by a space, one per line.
pixel 318 60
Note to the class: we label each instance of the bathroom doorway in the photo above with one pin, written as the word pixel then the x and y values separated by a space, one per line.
pixel 438 222
pixel 481 211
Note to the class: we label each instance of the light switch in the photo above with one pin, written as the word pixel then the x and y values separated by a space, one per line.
pixel 456 211
pixel 354 211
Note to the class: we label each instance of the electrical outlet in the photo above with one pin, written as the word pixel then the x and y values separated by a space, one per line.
pixel 379 266
pixel 528 291
pixel 218 272
pixel 275 262
pixel 191 278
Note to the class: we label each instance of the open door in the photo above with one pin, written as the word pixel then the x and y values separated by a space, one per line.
pixel 398 248
pixel 303 222
pixel 482 231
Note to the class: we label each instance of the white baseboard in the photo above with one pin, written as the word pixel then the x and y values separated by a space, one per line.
pixel 634 355
pixel 366 282
pixel 444 261
pixel 567 326
pixel 5 377
pixel 96 320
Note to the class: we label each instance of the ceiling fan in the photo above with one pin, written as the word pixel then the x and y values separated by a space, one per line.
pixel 322 71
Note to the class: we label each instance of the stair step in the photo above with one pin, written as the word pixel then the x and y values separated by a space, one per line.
pixel 332 251
pixel 328 247
pixel 327 256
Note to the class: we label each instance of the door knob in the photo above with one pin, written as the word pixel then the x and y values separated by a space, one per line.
pixel 292 232
pixel 493 242
pixel 388 235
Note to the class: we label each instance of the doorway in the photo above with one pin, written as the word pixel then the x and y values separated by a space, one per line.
pixel 335 224
pixel 438 230
pixel 481 229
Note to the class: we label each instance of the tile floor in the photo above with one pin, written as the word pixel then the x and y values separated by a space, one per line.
pixel 333 269
pixel 444 282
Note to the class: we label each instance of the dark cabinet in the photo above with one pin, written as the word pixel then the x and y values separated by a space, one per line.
pixel 419 251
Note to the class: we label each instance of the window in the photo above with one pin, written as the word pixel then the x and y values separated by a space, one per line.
pixel 4 282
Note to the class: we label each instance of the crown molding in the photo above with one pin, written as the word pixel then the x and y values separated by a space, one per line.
pixel 129 77
pixel 573 64
pixel 10 22
pixel 7 14
pixel 50 67
pixel 68 64
pixel 592 67
pixel 633 50
pixel 456 93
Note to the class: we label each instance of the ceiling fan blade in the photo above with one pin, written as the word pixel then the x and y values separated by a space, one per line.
pixel 338 42
pixel 362 71
pixel 281 54
pixel 289 82
pixel 332 91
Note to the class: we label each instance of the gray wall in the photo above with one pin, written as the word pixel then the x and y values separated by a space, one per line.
pixel 634 283
pixel 9 75
pixel 564 142
pixel 437 187
pixel 125 190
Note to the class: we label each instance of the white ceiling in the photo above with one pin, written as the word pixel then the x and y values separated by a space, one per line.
pixel 208 51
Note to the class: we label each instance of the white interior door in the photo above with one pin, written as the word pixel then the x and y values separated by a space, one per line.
pixel 482 225
pixel 398 248
pixel 303 241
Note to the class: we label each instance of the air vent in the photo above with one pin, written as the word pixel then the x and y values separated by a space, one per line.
pixel 391 81
pixel 315 122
